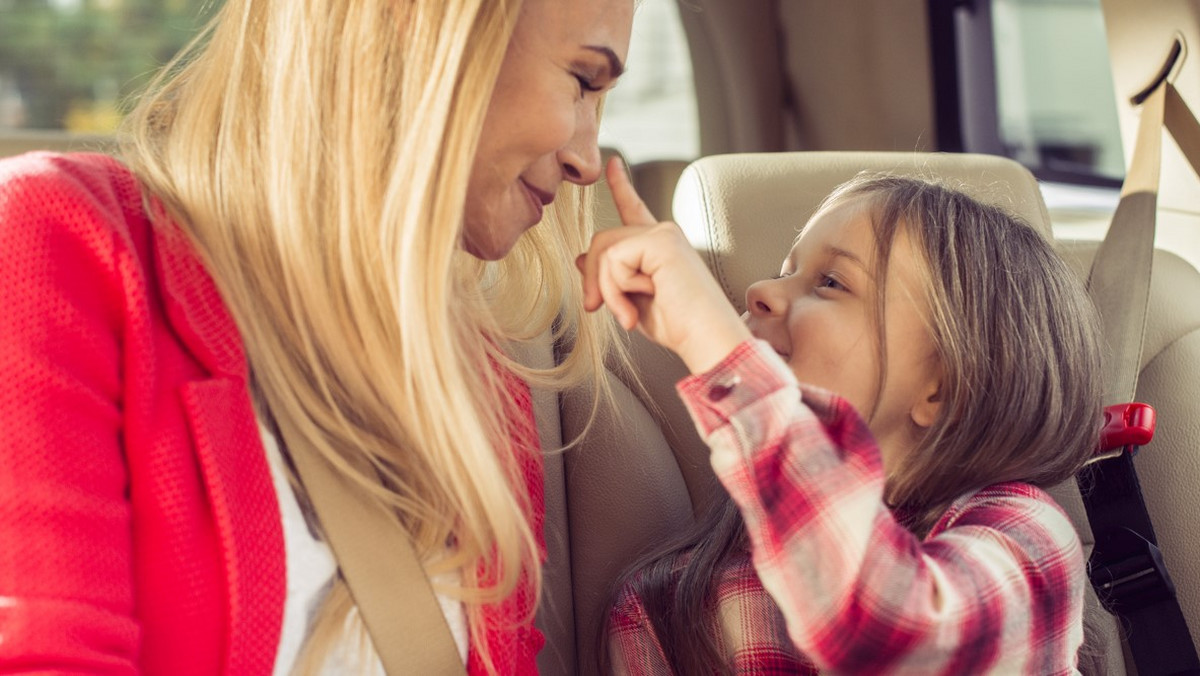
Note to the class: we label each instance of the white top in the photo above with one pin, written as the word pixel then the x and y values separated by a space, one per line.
pixel 310 573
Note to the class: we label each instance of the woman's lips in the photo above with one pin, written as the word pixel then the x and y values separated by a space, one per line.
pixel 538 198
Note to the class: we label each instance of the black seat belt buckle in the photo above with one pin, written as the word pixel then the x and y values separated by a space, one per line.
pixel 1128 571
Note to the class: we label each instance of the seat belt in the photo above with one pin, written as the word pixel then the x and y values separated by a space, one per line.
pixel 386 579
pixel 1126 567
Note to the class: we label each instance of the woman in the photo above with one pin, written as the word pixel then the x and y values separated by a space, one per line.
pixel 308 199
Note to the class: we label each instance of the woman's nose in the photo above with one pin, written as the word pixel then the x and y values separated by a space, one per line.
pixel 580 158
pixel 762 298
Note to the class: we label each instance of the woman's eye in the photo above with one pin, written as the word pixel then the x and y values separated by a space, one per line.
pixel 586 85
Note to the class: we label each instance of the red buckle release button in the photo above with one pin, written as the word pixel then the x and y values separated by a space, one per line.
pixel 1126 425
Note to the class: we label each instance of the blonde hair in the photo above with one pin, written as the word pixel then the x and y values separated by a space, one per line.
pixel 317 153
pixel 1016 336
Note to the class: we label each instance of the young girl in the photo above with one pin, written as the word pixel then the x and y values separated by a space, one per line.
pixel 885 420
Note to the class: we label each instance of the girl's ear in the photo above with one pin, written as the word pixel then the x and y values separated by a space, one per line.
pixel 928 404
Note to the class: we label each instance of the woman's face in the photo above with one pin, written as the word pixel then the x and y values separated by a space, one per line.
pixel 541 123
pixel 819 315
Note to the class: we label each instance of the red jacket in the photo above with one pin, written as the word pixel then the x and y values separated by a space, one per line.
pixel 139 527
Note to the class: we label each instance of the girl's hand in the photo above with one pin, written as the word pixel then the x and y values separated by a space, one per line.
pixel 651 278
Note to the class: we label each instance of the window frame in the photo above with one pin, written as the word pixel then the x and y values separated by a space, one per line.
pixel 967 106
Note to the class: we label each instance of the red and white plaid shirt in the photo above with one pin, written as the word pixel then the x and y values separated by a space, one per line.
pixel 996 587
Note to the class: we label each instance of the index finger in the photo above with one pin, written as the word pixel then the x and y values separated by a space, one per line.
pixel 632 209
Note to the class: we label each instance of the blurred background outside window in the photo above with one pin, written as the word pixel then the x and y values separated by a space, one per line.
pixel 73 64
pixel 70 64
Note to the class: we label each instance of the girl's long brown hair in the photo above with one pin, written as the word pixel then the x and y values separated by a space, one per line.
pixel 1019 345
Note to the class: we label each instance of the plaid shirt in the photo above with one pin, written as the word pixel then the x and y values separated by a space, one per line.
pixel 997 585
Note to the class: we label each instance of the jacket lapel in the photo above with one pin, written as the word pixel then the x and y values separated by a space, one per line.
pixel 194 306
pixel 230 454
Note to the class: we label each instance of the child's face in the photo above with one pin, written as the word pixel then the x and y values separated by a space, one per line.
pixel 819 315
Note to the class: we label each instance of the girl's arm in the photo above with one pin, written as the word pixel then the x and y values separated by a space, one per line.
pixel 997 586
pixel 651 279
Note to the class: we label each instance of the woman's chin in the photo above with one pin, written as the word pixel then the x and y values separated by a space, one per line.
pixel 491 247
pixel 488 251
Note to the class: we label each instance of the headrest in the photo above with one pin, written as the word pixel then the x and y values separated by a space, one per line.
pixel 743 211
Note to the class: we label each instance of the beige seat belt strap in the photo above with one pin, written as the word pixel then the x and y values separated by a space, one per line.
pixel 1183 127
pixel 385 577
pixel 1119 280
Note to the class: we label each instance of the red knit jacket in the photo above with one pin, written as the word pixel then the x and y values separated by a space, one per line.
pixel 139 527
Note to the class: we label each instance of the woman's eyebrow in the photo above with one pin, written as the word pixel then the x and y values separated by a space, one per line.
pixel 615 67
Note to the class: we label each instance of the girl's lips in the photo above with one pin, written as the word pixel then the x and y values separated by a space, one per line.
pixel 758 334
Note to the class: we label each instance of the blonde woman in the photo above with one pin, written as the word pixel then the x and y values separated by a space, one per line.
pixel 916 538
pixel 319 231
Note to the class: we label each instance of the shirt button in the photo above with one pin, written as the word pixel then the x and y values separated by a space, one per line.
pixel 721 390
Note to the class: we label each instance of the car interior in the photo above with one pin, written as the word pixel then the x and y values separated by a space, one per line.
pixel 793 97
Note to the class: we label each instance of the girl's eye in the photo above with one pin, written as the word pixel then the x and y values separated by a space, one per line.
pixel 828 282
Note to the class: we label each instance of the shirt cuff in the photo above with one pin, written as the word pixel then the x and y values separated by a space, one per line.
pixel 747 374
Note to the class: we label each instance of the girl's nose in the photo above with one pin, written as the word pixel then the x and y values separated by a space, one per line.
pixel 763 298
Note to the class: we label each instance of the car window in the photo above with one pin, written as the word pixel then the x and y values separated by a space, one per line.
pixel 1057 115
pixel 72 64
pixel 1032 82
pixel 1054 87
pixel 651 114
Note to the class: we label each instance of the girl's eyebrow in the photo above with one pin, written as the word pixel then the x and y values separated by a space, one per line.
pixel 615 67
pixel 838 252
